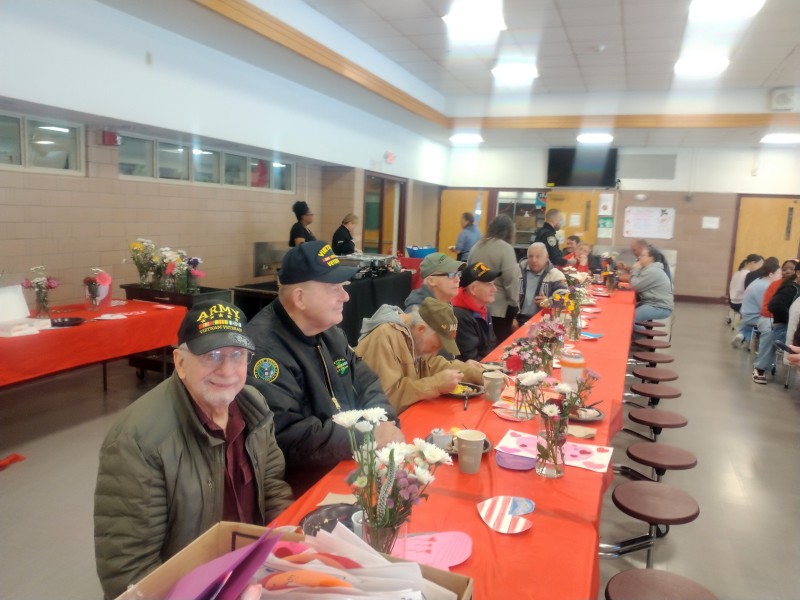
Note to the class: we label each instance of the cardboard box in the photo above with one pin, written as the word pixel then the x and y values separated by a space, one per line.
pixel 225 537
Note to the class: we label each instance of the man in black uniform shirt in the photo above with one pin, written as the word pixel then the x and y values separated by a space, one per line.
pixel 553 220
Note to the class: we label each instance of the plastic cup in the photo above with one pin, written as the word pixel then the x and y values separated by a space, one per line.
pixel 470 450
pixel 494 382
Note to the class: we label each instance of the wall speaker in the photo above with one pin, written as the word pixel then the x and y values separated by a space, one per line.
pixel 782 99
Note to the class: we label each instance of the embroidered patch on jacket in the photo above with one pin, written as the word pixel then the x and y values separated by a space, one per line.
pixel 341 366
pixel 266 369
pixel 551 240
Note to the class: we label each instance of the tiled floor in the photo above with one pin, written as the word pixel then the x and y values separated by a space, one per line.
pixel 744 545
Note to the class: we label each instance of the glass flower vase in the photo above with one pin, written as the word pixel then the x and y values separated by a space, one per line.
pixel 574 327
pixel 550 447
pixel 42 308
pixel 524 403
pixel 381 538
pixel 143 278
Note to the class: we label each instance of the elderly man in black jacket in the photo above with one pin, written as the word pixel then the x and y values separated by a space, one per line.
pixel 475 337
pixel 306 369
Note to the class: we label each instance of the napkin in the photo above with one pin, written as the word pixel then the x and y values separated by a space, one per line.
pixel 579 431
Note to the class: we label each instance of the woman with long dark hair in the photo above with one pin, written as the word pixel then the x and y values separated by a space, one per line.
pixel 496 252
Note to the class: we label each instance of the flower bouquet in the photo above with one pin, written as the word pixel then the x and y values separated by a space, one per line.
pixel 571 300
pixel 522 355
pixel 143 255
pixel 574 277
pixel 555 415
pixel 41 283
pixel 609 272
pixel 98 281
pixel 387 482
pixel 184 273
pixel 548 335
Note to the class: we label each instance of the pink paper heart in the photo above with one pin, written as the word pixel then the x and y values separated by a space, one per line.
pixel 593 465
pixel 441 550
pixel 584 451
pixel 508 449
pixel 514 434
pixel 603 449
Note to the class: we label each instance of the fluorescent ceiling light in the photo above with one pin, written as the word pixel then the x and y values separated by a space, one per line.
pixel 781 138
pixel 466 138
pixel 53 128
pixel 723 10
pixel 475 20
pixel 700 64
pixel 595 138
pixel 197 151
pixel 44 142
pixel 515 72
pixel 278 165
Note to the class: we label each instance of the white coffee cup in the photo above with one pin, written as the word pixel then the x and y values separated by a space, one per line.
pixel 357 519
pixel 494 382
pixel 470 450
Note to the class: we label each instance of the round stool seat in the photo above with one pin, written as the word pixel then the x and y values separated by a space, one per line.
pixel 653 358
pixel 651 344
pixel 650 333
pixel 654 374
pixel 650 324
pixel 655 390
pixel 654 584
pixel 662 457
pixel 655 503
pixel 655 417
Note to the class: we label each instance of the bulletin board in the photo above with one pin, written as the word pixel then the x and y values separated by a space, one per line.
pixel 649 222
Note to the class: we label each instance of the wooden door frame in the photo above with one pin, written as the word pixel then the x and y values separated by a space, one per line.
pixel 401 209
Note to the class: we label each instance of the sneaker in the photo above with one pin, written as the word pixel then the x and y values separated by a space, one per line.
pixel 759 377
pixel 737 341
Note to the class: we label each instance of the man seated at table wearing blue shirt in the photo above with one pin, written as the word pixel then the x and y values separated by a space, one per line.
pixel 306 369
pixel 539 280
pixel 467 237
pixel 197 449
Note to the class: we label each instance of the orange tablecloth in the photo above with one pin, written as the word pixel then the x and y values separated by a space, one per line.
pixel 557 557
pixel 57 349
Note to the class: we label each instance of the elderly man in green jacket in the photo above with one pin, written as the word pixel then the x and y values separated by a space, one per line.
pixel 197 449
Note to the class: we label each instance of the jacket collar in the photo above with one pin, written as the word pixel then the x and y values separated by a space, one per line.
pixel 287 321
pixel 464 300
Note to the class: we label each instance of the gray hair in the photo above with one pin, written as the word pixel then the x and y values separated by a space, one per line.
pixel 537 246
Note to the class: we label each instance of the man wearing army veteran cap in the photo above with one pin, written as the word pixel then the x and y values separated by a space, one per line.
pixel 402 349
pixel 475 335
pixel 197 449
pixel 306 369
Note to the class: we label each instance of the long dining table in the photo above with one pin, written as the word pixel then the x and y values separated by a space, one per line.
pixel 557 557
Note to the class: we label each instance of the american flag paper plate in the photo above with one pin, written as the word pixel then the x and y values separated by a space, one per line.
pixel 502 513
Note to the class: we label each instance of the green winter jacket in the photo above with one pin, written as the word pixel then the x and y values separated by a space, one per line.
pixel 160 483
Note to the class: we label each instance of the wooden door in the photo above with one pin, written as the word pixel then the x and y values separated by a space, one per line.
pixel 767 226
pixel 580 212
pixel 453 204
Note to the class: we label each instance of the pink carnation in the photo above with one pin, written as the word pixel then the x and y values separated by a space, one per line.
pixel 103 278
pixel 197 273
pixel 170 268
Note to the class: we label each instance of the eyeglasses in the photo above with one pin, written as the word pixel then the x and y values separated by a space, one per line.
pixel 456 275
pixel 215 358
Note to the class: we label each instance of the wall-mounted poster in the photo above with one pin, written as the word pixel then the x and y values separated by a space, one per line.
pixel 605 227
pixel 649 222
pixel 606 206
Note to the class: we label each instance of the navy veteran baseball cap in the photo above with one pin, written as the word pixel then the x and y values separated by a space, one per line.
pixel 313 261
pixel 478 272
pixel 211 324
pixel 439 316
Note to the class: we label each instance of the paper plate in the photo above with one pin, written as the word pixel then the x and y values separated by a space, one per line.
pixel 587 415
pixel 502 513
pixel 513 461
pixel 326 517
pixel 473 390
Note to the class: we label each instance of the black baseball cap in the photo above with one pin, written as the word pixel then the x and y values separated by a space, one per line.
pixel 214 324
pixel 478 272
pixel 314 261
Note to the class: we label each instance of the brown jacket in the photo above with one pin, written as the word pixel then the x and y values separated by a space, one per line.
pixel 388 349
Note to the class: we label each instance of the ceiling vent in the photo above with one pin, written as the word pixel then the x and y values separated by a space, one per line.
pixel 782 99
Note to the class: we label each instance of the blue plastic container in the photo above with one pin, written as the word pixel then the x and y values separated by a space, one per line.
pixel 420 251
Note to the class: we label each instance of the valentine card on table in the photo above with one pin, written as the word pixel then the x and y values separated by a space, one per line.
pixel 584 456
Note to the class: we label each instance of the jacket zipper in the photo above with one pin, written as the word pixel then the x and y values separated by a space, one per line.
pixel 328 378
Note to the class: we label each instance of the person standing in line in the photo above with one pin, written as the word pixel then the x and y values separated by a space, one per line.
pixel 553 221
pixel 496 252
pixel 300 232
pixel 467 237
pixel 343 243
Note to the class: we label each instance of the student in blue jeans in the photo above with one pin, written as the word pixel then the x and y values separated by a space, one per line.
pixel 779 307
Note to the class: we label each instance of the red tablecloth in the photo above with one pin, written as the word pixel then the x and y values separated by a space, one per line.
pixel 557 557
pixel 57 349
